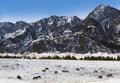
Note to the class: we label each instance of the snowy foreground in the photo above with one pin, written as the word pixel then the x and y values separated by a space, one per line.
pixel 59 71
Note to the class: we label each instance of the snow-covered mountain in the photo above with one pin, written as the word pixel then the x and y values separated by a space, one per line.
pixel 40 36
pixel 99 32
pixel 102 30
pixel 7 27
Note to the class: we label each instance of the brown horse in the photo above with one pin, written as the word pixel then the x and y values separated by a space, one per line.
pixel 19 77
pixel 37 77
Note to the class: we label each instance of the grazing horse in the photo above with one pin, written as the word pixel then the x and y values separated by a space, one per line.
pixel 109 75
pixel 43 70
pixel 77 69
pixel 55 72
pixel 19 77
pixel 37 77
pixel 46 68
pixel 100 77
pixel 65 71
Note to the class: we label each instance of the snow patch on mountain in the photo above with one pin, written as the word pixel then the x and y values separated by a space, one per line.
pixel 118 28
pixel 98 11
pixel 16 33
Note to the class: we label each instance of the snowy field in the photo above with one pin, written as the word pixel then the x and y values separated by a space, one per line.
pixel 59 71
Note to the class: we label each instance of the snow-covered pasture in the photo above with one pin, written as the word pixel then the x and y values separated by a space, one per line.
pixel 59 71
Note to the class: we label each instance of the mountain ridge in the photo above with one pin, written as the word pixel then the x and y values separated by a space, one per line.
pixel 98 32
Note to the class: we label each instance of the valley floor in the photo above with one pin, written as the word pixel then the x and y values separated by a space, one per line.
pixel 59 71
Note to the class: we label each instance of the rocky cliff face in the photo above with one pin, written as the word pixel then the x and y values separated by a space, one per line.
pixel 7 27
pixel 102 29
pixel 41 36
pixel 99 32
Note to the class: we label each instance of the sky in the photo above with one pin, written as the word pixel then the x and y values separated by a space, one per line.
pixel 33 10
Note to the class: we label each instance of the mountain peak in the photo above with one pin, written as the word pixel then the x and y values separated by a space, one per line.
pixel 101 5
pixel 20 22
pixel 104 12
pixel 100 8
pixel 6 24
